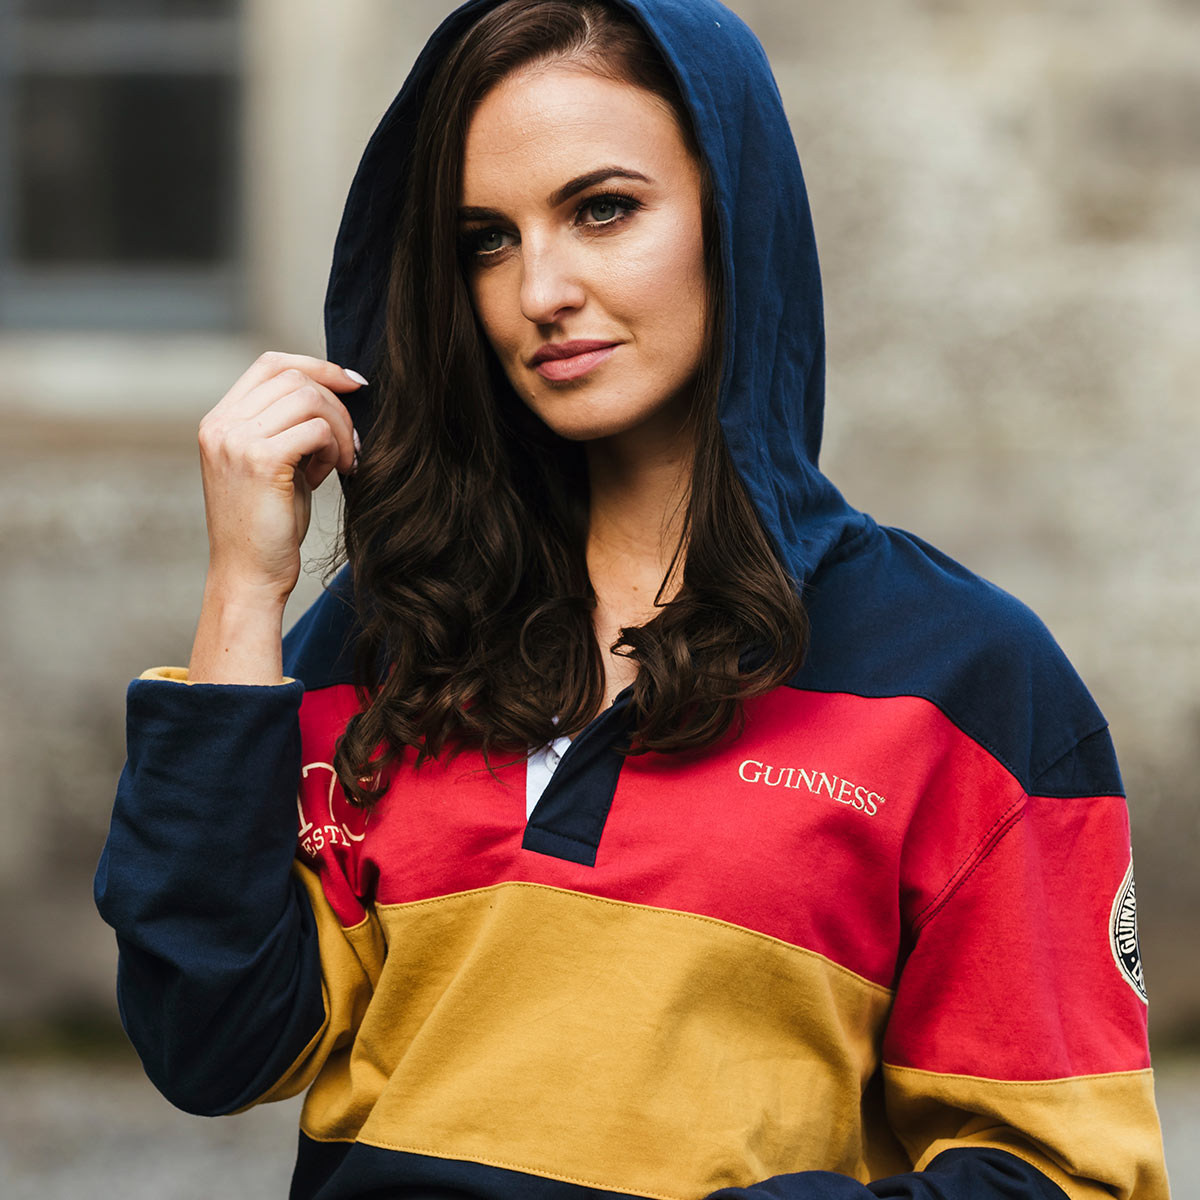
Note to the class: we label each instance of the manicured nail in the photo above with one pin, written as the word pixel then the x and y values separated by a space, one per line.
pixel 356 376
pixel 357 448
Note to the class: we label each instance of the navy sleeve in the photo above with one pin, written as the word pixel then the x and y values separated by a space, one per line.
pixel 219 980
pixel 965 1174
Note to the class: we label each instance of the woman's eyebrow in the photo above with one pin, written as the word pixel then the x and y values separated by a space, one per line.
pixel 479 214
pixel 571 188
pixel 582 182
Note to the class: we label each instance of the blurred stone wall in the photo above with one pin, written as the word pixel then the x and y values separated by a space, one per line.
pixel 1007 200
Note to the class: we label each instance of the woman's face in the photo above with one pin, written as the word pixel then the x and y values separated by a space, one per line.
pixel 581 225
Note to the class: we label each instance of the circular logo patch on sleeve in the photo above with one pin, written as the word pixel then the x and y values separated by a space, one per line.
pixel 1123 935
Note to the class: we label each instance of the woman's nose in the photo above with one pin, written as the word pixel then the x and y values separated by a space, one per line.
pixel 550 283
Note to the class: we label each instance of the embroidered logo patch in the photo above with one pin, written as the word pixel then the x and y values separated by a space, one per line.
pixel 1123 935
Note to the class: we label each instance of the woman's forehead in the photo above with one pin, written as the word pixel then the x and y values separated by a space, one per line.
pixel 564 120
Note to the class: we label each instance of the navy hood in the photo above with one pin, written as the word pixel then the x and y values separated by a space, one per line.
pixel 773 391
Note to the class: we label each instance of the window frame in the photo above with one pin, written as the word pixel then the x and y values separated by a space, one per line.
pixel 124 298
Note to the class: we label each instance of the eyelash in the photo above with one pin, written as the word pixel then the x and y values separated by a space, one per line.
pixel 625 204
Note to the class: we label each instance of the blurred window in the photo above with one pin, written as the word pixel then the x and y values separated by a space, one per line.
pixel 119 184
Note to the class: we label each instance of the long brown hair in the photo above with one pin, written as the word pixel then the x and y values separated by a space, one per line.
pixel 466 522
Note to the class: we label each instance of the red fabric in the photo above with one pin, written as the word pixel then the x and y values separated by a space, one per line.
pixel 1016 969
pixel 816 799
pixel 848 826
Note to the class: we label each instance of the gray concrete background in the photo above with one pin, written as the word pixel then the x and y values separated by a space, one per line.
pixel 1007 201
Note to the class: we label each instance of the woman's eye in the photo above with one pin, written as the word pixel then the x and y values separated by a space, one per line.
pixel 606 210
pixel 602 211
pixel 486 241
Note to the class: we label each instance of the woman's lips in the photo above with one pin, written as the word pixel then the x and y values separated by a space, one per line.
pixel 571 360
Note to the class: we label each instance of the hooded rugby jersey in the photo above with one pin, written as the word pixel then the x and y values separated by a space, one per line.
pixel 882 943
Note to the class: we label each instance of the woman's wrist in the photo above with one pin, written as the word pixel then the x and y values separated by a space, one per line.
pixel 239 637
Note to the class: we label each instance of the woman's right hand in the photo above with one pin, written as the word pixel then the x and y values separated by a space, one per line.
pixel 275 435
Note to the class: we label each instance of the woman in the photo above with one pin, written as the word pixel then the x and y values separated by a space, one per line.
pixel 816 880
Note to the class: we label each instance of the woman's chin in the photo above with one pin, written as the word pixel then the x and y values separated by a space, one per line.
pixel 588 431
pixel 578 420
pixel 575 419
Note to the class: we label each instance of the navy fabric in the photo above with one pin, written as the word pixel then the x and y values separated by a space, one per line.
pixel 340 1171
pixel 893 616
pixel 319 649
pixel 344 1171
pixel 196 878
pixel 953 1175
pixel 569 817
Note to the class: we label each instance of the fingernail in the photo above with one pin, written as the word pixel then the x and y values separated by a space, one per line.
pixel 356 377
pixel 357 448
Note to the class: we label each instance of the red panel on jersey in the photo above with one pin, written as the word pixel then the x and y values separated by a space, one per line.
pixel 763 832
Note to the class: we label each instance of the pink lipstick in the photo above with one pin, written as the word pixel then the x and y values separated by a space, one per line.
pixel 561 361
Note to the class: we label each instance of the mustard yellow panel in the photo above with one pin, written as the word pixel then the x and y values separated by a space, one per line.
pixel 1099 1128
pixel 605 1043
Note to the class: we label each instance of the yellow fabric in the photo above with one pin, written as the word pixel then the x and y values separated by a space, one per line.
pixel 496 1026
pixel 167 674
pixel 1094 1127
pixel 180 675
pixel 507 1019
pixel 351 963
